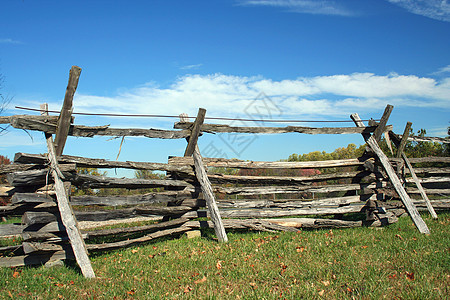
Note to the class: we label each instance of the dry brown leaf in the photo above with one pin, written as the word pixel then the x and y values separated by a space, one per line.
pixel 326 283
pixel 200 280
pixel 219 265
pixel 16 274
pixel 321 292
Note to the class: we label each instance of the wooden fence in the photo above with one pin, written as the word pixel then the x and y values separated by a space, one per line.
pixel 237 194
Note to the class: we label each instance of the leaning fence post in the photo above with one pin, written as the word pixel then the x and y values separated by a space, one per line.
pixel 67 216
pixel 202 176
pixel 400 143
pixel 65 117
pixel 412 210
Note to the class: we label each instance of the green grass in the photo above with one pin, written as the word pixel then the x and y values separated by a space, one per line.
pixel 396 262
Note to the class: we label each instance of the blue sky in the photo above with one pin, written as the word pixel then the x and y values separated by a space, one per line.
pixel 318 60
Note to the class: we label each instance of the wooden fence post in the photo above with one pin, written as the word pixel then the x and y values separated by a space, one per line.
pixel 412 210
pixel 202 176
pixel 400 153
pixel 404 140
pixel 67 215
pixel 65 117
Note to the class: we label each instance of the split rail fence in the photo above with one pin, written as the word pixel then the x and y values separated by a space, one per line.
pixel 231 193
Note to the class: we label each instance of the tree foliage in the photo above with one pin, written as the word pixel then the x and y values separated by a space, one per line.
pixel 4 161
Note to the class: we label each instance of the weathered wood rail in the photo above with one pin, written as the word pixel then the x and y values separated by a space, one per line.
pixel 197 186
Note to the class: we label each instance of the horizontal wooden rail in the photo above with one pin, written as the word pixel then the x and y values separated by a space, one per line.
pixel 83 162
pixel 236 163
pixel 27 123
pixel 219 128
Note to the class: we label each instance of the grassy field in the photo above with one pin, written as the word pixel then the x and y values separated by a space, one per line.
pixel 395 262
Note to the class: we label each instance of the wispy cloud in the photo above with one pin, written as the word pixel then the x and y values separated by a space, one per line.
pixel 317 7
pixel 442 70
pixel 228 96
pixel 10 41
pixel 191 67
pixel 434 9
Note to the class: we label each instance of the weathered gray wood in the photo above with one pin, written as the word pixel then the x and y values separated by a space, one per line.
pixel 141 229
pixel 428 179
pixel 7 230
pixel 236 163
pixel 261 190
pixel 305 180
pixel 220 128
pixel 205 185
pixel 277 213
pixel 83 162
pixel 30 247
pixel 383 121
pixel 89 234
pixel 400 146
pixel 24 122
pixel 38 177
pixel 43 119
pixel 195 131
pixel 33 217
pixel 266 203
pixel 252 224
pixel 33 259
pixel 404 140
pixel 428 191
pixel 445 140
pixel 5 169
pixel 90 181
pixel 208 194
pixel 419 186
pixel 388 141
pixel 430 171
pixel 19 198
pixel 67 216
pixel 315 223
pixel 415 216
pixel 65 117
pixel 136 241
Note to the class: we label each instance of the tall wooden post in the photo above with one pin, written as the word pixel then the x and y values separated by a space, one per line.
pixel 412 210
pixel 67 216
pixel 65 117
pixel 202 176
pixel 400 143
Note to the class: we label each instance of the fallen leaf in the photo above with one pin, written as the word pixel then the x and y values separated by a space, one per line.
pixel 300 249
pixel 10 295
pixel 410 276
pixel 131 292
pixel 326 283
pixel 134 251
pixel 187 289
pixel 219 265
pixel 253 284
pixel 200 280
pixel 399 236
pixel 16 274
pixel 364 247
pixel 321 292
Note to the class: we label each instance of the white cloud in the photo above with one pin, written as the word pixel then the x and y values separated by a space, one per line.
pixel 191 67
pixel 434 9
pixel 317 7
pixel 442 70
pixel 228 96
pixel 9 41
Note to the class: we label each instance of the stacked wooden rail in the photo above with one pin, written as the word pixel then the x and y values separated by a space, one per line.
pixel 42 185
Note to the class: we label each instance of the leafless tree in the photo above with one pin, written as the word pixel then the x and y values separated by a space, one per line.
pixel 4 101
